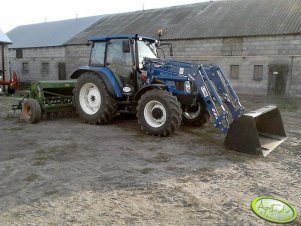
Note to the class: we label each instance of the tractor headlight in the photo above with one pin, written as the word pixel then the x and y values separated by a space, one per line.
pixel 187 86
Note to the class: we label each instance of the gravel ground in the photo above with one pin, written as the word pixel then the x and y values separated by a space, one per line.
pixel 64 172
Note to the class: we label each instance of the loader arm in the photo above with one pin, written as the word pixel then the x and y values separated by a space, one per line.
pixel 212 85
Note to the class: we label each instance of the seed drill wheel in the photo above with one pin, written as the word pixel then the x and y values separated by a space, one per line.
pixel 10 90
pixel 159 112
pixel 93 102
pixel 196 116
pixel 31 111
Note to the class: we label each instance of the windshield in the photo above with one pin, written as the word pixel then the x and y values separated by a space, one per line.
pixel 146 49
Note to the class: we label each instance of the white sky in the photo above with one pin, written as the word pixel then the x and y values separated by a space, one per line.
pixel 20 12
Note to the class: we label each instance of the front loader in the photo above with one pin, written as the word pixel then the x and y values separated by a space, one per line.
pixel 257 132
pixel 125 75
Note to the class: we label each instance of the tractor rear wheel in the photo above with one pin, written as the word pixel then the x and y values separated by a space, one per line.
pixel 31 111
pixel 196 115
pixel 93 102
pixel 159 113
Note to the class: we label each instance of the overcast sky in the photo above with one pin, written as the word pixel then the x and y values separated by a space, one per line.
pixel 21 12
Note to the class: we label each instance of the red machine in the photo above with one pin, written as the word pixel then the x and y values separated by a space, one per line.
pixel 13 84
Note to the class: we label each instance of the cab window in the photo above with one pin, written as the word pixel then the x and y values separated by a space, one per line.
pixel 116 55
pixel 98 54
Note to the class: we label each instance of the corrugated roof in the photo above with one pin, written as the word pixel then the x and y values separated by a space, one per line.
pixel 4 38
pixel 229 18
pixel 145 22
pixel 49 33
pixel 243 18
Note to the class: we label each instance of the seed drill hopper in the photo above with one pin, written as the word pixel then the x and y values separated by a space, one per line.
pixel 45 98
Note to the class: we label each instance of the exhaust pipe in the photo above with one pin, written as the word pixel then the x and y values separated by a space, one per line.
pixel 257 132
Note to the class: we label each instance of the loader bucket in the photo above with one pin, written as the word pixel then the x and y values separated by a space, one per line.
pixel 257 132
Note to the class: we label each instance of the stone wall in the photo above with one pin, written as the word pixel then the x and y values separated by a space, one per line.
pixel 264 51
pixel 33 63
pixel 76 56
pixel 246 53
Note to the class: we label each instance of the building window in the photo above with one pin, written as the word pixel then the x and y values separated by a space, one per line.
pixel 234 71
pixel 45 68
pixel 19 53
pixel 25 68
pixel 232 46
pixel 258 72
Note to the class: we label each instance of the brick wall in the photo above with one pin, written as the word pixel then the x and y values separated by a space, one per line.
pixel 35 58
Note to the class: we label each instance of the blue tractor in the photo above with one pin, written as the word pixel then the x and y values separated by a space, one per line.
pixel 125 75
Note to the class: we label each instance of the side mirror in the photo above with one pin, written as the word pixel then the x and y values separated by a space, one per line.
pixel 158 44
pixel 126 46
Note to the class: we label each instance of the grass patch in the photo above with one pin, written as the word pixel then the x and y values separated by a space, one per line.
pixel 9 117
pixel 146 170
pixel 31 178
pixel 51 192
pixel 160 157
pixel 14 129
pixel 42 158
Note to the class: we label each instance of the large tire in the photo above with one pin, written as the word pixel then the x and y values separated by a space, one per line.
pixel 159 113
pixel 93 102
pixel 31 111
pixel 196 116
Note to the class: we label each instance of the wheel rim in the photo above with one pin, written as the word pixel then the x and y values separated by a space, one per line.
pixel 27 112
pixel 193 114
pixel 155 114
pixel 89 98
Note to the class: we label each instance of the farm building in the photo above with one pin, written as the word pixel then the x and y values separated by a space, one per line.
pixel 4 42
pixel 257 42
pixel 38 50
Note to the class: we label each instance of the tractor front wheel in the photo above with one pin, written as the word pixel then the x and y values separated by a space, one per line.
pixel 31 111
pixel 196 115
pixel 93 102
pixel 159 113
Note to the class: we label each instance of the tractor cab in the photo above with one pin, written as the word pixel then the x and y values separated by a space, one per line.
pixel 123 56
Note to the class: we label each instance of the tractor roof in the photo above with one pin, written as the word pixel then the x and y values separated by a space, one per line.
pixel 106 38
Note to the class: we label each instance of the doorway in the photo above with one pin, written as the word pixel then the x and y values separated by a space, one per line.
pixel 278 74
pixel 62 71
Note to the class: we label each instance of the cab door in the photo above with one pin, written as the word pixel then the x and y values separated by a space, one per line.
pixel 120 61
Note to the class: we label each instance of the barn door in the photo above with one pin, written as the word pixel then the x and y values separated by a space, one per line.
pixel 278 74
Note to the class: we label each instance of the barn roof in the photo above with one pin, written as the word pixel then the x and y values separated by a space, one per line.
pixel 49 33
pixel 3 38
pixel 214 19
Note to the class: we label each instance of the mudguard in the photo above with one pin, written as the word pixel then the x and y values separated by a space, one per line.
pixel 107 75
pixel 149 87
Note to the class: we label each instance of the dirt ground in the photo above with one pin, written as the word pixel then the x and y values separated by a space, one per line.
pixel 64 172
